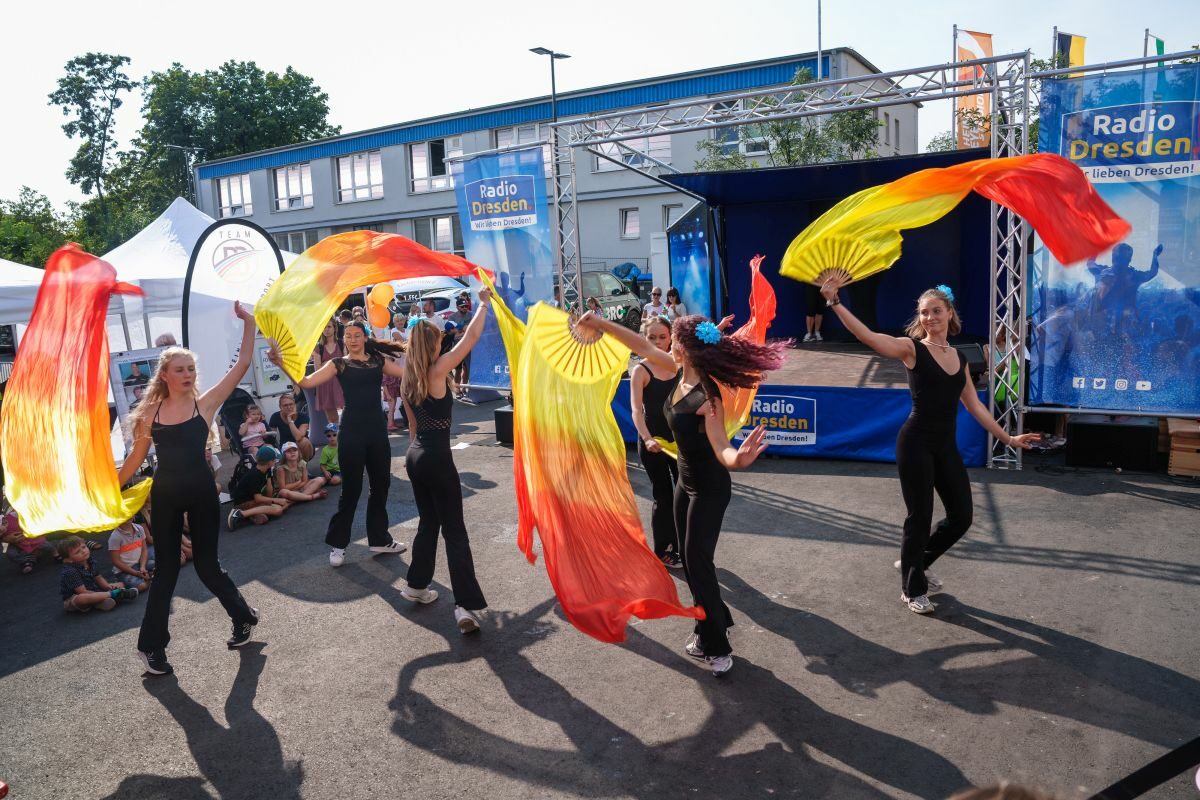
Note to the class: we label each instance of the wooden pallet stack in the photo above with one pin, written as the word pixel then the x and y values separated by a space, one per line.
pixel 1185 447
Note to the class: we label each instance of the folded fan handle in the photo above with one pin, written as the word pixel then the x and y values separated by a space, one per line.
pixel 834 273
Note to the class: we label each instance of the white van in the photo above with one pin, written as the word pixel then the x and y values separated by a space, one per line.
pixel 410 290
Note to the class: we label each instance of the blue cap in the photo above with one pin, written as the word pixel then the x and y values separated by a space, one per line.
pixel 267 454
pixel 331 428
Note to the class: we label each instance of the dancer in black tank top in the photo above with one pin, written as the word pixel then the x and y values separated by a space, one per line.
pixel 647 398
pixel 362 438
pixel 927 454
pixel 428 402
pixel 696 415
pixel 176 418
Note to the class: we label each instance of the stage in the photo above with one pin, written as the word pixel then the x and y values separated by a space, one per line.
pixel 834 400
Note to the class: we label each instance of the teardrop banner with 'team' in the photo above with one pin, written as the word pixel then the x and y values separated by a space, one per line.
pixel 233 259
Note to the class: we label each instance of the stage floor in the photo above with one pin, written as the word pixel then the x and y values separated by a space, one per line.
pixel 839 364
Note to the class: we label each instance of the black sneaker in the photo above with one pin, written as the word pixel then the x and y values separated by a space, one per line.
pixel 156 662
pixel 671 560
pixel 124 594
pixel 235 519
pixel 242 631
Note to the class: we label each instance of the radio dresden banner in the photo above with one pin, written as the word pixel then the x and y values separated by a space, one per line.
pixel 506 227
pixel 973 128
pixel 1122 332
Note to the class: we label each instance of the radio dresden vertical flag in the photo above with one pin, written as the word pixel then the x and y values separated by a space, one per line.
pixel 973 120
pixel 506 228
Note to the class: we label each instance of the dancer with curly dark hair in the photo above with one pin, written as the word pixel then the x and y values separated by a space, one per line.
pixel 927 454
pixel 700 356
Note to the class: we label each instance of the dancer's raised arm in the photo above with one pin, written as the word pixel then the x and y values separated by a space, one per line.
pixel 887 346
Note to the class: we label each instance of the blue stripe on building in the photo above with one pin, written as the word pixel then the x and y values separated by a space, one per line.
pixel 664 92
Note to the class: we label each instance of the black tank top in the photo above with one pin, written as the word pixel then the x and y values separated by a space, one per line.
pixel 686 424
pixel 434 418
pixel 654 399
pixel 362 382
pixel 935 392
pixel 179 449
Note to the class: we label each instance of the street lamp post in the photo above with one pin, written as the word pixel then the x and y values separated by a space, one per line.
pixel 545 51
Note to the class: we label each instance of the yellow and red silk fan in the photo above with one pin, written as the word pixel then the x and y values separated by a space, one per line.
pixel 860 236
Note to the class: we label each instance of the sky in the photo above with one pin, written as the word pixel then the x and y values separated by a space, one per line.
pixel 383 63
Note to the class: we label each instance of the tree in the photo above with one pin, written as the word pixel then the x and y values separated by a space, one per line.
pixel 841 136
pixel 30 228
pixel 90 93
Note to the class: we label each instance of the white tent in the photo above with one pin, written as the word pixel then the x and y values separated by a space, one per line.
pixel 19 286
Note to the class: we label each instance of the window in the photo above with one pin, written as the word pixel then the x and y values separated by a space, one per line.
pixel 296 241
pixel 427 164
pixel 750 140
pixel 527 134
pixel 631 227
pixel 657 147
pixel 442 234
pixel 293 187
pixel 610 286
pixel 896 122
pixel 360 177
pixel 233 196
pixel 671 214
pixel 887 128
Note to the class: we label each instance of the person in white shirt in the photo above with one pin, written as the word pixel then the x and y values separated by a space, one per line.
pixel 655 306
pixel 675 306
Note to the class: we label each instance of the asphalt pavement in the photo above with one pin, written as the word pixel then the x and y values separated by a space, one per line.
pixel 1063 654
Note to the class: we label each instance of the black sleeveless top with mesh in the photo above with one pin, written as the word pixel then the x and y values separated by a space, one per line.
pixel 935 392
pixel 433 418
pixel 362 382
pixel 686 424
pixel 654 398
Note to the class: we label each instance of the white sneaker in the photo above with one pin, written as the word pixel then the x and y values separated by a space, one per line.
pixel 934 583
pixel 808 337
pixel 917 605
pixel 337 556
pixel 817 336
pixel 719 664
pixel 468 621
pixel 419 595
pixel 394 547
pixel 692 646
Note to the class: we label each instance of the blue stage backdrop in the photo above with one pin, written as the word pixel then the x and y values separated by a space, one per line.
pixel 832 422
pixel 506 227
pixel 694 260
pixel 762 210
pixel 1122 332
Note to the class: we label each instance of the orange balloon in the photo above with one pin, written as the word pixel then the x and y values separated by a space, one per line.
pixel 379 315
pixel 382 294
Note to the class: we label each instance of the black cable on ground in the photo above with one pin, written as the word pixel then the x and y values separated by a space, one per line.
pixel 1157 772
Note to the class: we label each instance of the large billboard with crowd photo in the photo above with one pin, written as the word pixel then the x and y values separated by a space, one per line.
pixel 506 227
pixel 1122 332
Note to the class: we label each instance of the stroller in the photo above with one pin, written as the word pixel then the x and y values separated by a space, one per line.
pixel 231 416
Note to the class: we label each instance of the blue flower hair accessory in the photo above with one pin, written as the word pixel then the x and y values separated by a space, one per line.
pixel 708 333
pixel 946 290
pixel 412 323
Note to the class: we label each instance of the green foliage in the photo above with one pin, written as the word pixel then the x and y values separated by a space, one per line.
pixel 942 143
pixel 839 137
pixel 90 94
pixel 30 228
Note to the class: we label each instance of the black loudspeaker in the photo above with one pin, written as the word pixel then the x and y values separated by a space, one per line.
pixel 1097 440
pixel 504 425
pixel 976 363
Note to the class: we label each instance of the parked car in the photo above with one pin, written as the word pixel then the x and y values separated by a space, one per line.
pixel 411 290
pixel 617 301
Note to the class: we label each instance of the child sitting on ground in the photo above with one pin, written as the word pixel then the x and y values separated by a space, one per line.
pixel 291 477
pixel 254 495
pixel 130 553
pixel 253 429
pixel 23 551
pixel 82 589
pixel 330 469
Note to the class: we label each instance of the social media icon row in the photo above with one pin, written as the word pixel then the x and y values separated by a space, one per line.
pixel 1100 384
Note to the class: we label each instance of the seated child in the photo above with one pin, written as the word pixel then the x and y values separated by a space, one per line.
pixel 254 495
pixel 81 587
pixel 130 552
pixel 330 470
pixel 291 477
pixel 253 429
pixel 23 551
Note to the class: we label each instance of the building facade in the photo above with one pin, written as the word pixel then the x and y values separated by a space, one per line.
pixel 395 179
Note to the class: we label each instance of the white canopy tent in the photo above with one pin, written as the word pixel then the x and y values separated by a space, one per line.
pixel 19 286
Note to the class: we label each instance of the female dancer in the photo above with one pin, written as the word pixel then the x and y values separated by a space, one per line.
pixel 647 396
pixel 699 356
pixel 428 397
pixel 176 418
pixel 926 452
pixel 363 437
pixel 329 397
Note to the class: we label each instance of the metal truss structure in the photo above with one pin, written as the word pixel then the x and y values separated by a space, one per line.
pixel 1006 78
